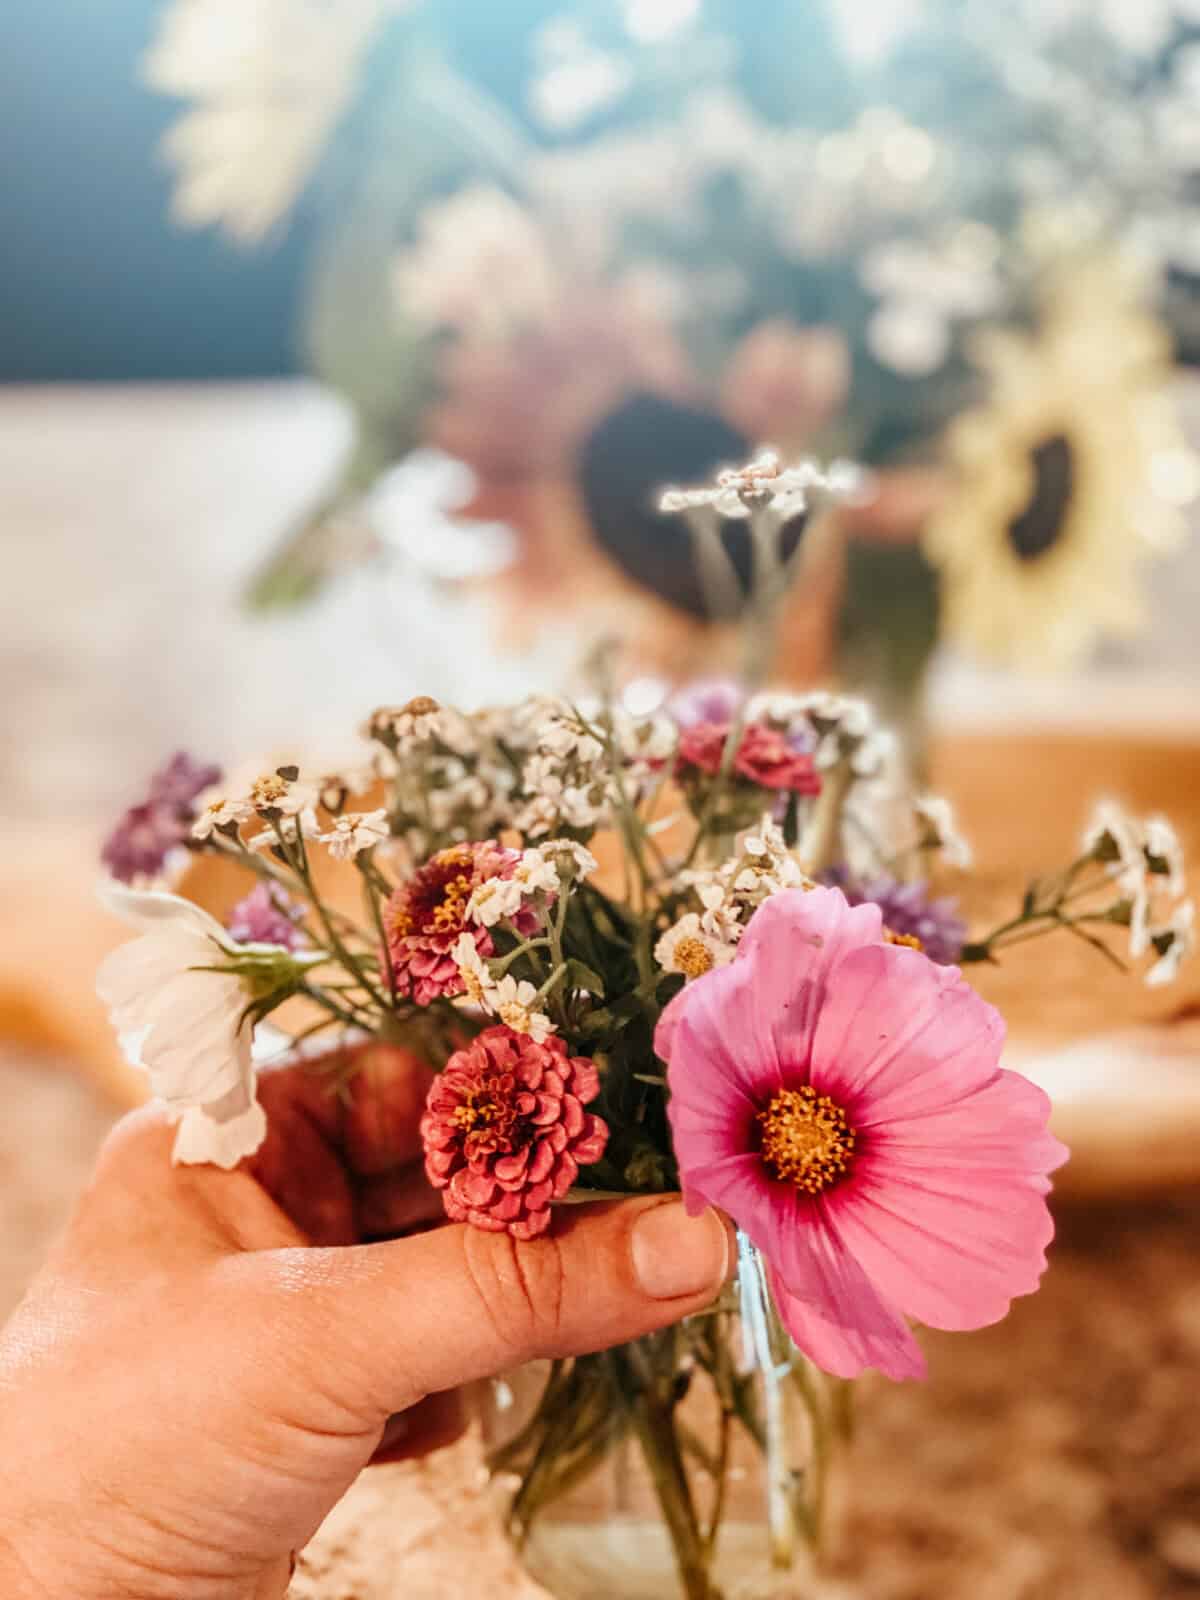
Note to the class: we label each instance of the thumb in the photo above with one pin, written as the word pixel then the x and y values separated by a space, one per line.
pixel 390 1323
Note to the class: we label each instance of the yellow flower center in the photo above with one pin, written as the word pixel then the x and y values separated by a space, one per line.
pixel 806 1139
pixel 908 940
pixel 693 958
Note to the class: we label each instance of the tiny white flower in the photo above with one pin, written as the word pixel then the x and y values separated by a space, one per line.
pixel 515 1004
pixel 184 1027
pixel 405 727
pixel 354 832
pixel 585 861
pixel 473 970
pixel 939 830
pixel 1164 854
pixel 1174 943
pixel 275 794
pixel 268 839
pixel 535 873
pixel 495 901
pixel 689 948
pixel 220 813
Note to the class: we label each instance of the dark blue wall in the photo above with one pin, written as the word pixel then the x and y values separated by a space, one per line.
pixel 95 282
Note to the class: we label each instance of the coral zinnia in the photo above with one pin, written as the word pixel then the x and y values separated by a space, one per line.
pixel 425 916
pixel 841 1099
pixel 505 1132
pixel 764 756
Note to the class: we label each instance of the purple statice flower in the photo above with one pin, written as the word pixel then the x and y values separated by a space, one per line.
pixel 178 785
pixel 908 910
pixel 151 832
pixel 713 700
pixel 267 916
pixel 139 845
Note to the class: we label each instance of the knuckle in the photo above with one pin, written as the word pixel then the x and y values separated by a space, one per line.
pixel 519 1288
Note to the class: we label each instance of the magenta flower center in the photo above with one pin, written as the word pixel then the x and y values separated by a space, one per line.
pixel 806 1139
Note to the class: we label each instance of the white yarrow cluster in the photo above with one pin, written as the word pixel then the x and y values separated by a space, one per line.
pixel 764 484
pixel 731 893
pixel 1145 861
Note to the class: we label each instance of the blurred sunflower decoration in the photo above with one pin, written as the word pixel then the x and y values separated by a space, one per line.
pixel 590 249
pixel 1071 473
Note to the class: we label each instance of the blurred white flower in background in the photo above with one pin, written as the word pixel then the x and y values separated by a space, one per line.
pixel 266 81
pixel 480 265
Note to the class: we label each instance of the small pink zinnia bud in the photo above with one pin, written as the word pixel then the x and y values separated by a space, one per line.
pixel 505 1132
pixel 765 756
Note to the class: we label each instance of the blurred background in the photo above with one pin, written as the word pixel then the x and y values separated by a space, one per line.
pixel 344 347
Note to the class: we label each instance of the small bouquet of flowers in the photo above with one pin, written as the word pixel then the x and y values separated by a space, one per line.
pixel 693 948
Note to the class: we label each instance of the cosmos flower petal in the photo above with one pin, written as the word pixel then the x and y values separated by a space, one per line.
pixel 183 1025
pixel 204 1140
pixel 952 1256
pixel 743 1058
pixel 882 1060
pixel 845 1327
pixel 794 942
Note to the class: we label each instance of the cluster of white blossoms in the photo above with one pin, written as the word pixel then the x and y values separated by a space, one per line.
pixel 729 895
pixel 537 878
pixel 289 807
pixel 543 873
pixel 764 484
pixel 566 779
pixel 1144 859
pixel 515 1003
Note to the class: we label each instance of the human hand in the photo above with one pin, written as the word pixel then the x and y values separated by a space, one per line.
pixel 209 1359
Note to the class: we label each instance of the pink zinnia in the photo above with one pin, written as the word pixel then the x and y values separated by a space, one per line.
pixel 841 1099
pixel 764 756
pixel 505 1132
pixel 425 916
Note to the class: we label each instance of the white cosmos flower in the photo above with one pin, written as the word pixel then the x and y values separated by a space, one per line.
pixel 184 1027
pixel 266 82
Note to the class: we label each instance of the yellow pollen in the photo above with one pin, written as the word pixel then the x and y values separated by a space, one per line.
pixel 908 940
pixel 806 1139
pixel 448 915
pixel 693 958
pixel 474 1111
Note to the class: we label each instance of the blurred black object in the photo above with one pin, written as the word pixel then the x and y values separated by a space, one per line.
pixel 646 445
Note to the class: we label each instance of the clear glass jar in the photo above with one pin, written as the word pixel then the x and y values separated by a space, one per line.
pixel 677 1467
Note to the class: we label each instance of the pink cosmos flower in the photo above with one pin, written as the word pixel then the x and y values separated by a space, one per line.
pixel 841 1099
pixel 764 756
pixel 505 1132
pixel 425 916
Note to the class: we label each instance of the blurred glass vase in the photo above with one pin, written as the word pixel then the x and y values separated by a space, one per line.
pixel 694 1464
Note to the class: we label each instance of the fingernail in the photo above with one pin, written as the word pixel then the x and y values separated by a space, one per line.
pixel 676 1255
